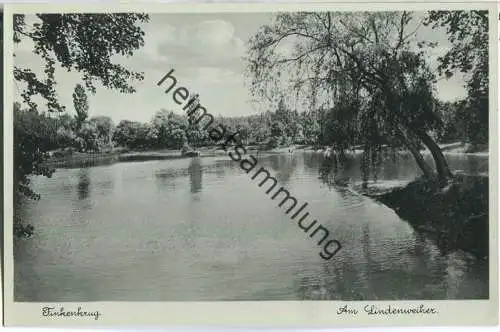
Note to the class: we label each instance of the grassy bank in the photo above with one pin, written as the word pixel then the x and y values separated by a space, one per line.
pixel 455 216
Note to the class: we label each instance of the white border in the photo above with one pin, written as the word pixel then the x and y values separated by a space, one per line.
pixel 262 313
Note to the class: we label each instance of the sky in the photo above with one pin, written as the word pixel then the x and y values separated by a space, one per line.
pixel 205 51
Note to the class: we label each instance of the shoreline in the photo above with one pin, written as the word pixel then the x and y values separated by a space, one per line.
pixel 441 213
pixel 84 159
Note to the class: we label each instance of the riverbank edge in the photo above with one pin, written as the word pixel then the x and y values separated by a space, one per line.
pixel 88 158
pixel 455 216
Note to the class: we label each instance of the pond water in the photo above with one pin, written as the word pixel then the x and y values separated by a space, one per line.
pixel 201 229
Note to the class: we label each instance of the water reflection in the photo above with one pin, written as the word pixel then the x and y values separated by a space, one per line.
pixel 284 166
pixel 166 177
pixel 107 184
pixel 221 167
pixel 398 166
pixel 87 183
pixel 199 230
pixel 83 187
pixel 367 253
pixel 195 171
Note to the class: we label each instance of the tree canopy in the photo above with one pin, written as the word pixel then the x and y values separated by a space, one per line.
pixel 361 67
pixel 468 32
pixel 81 105
pixel 84 43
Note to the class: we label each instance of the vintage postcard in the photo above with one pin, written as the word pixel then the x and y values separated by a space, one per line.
pixel 323 164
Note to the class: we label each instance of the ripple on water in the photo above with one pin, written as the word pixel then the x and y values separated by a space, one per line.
pixel 201 229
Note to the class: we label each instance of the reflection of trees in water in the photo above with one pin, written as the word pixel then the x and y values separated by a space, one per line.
pixel 221 166
pixel 476 165
pixel 393 166
pixel 344 279
pixel 335 176
pixel 312 161
pixel 83 187
pixel 405 166
pixel 426 267
pixel 441 242
pixel 284 166
pixel 338 173
pixel 429 261
pixel 84 201
pixel 468 164
pixel 171 173
pixel 195 175
pixel 420 243
pixel 338 281
pixel 328 172
pixel 164 181
pixel 418 272
pixel 165 177
pixel 106 184
pixel 368 256
pixel 473 165
pixel 191 228
pixel 391 163
pixel 402 165
pixel 309 288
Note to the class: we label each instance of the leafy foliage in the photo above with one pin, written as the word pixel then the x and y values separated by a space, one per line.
pixel 468 32
pixel 32 137
pixel 360 68
pixel 132 134
pixel 85 43
pixel 81 105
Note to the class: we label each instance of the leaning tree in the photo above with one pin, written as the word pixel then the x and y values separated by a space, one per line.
pixel 363 64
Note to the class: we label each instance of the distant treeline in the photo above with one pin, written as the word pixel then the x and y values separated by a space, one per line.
pixel 169 130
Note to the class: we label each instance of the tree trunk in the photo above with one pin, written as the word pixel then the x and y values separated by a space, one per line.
pixel 442 168
pixel 440 161
pixel 424 167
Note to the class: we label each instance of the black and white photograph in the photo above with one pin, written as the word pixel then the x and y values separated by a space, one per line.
pixel 314 155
